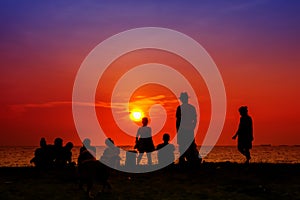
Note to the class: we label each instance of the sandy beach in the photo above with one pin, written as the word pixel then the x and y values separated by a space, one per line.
pixel 209 181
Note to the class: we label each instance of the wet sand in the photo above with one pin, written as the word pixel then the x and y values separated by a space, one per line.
pixel 209 181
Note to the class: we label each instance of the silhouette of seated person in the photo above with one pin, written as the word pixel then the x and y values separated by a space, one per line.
pixel 67 155
pixel 58 153
pixel 86 152
pixel 110 155
pixel 165 152
pixel 42 156
pixel 90 169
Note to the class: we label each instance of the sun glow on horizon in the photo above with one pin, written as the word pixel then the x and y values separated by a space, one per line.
pixel 136 115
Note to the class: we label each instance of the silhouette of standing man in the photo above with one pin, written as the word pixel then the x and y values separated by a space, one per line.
pixel 244 133
pixel 186 119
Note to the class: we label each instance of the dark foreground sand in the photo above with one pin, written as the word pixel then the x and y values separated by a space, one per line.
pixel 210 181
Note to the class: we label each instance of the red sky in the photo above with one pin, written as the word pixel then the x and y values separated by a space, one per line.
pixel 255 46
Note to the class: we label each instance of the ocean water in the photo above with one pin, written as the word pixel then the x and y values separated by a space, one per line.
pixel 20 156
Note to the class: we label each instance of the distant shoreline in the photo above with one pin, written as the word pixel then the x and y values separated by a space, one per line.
pixel 21 156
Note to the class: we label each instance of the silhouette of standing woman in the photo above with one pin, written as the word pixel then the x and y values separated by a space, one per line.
pixel 244 133
pixel 144 141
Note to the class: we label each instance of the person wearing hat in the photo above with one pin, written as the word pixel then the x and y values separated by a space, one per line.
pixel 186 120
pixel 244 133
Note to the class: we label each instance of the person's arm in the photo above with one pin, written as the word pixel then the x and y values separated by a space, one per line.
pixel 178 117
pixel 194 118
pixel 237 132
pixel 234 137
pixel 138 135
pixel 136 146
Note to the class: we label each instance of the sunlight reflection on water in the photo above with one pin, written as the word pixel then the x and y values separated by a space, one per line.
pixel 20 156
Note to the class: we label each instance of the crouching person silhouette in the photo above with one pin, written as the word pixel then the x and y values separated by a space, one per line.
pixel 165 152
pixel 111 154
pixel 42 156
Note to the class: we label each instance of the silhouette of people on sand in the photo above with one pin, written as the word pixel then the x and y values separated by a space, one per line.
pixel 67 155
pixel 244 133
pixel 57 156
pixel 186 120
pixel 111 154
pixel 165 154
pixel 58 153
pixel 42 157
pixel 86 145
pixel 86 152
pixel 144 142
pixel 90 170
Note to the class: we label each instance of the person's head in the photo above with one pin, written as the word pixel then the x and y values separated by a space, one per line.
pixel 184 97
pixel 145 121
pixel 243 110
pixel 109 142
pixel 166 138
pixel 43 142
pixel 58 142
pixel 69 145
pixel 86 142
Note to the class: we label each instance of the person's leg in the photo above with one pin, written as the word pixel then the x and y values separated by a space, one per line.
pixel 241 149
pixel 188 154
pixel 193 155
pixel 139 158
pixel 247 154
pixel 182 154
pixel 149 158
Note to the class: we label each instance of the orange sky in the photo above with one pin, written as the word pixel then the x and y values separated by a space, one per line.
pixel 257 54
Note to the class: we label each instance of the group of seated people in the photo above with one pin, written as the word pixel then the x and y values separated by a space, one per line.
pixel 53 155
pixel 110 155
pixel 58 156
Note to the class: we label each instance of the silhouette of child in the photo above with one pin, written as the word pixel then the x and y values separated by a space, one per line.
pixel 144 141
pixel 165 152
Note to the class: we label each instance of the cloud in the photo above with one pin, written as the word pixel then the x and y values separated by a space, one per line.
pixel 52 104
pixel 25 107
pixel 121 104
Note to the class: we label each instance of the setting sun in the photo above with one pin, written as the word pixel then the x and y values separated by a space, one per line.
pixel 136 115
